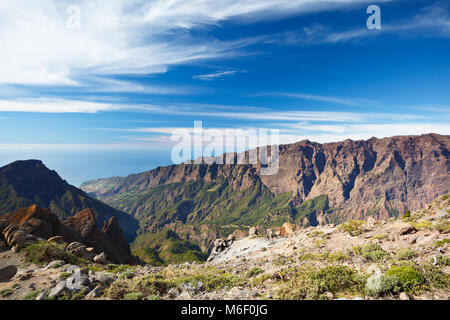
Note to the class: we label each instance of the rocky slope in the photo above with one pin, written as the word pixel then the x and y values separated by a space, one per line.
pixel 32 224
pixel 24 183
pixel 316 183
pixel 403 258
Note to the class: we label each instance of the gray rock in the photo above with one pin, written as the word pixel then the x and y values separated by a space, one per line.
pixel 96 292
pixel 7 273
pixel 77 281
pixel 173 293
pixel 55 264
pixel 101 258
pixel 329 295
pixel 252 232
pixel 404 296
pixel 41 296
pixel 57 290
pixel 104 278
pixel 24 275
pixel 72 268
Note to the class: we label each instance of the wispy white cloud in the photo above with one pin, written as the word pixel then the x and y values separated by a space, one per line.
pixel 214 76
pixel 322 98
pixel 431 20
pixel 54 105
pixel 121 36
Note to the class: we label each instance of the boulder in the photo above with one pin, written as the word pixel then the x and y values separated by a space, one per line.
pixel 96 292
pixel 56 239
pixel 80 250
pixel 57 290
pixel 55 264
pixel 101 258
pixel 7 273
pixel 252 232
pixel 404 296
pixel 287 229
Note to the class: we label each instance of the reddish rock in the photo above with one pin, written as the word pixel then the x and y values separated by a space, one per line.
pixel 81 228
pixel 287 229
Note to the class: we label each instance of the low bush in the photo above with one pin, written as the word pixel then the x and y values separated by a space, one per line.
pixel 353 227
pixel 373 252
pixel 406 254
pixel 253 272
pixel 410 279
pixel 312 284
pixel 43 252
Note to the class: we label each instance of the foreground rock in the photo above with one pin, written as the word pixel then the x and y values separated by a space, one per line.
pixel 86 240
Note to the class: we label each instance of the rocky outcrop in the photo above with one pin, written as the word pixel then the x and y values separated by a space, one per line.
pixel 25 183
pixel 221 245
pixel 80 231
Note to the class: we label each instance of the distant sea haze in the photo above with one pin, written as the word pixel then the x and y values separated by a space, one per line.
pixel 79 166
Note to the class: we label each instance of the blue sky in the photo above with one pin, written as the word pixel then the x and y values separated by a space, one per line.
pixel 101 100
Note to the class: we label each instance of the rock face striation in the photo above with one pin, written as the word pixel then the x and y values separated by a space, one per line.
pixel 377 177
pixel 80 231
pixel 316 184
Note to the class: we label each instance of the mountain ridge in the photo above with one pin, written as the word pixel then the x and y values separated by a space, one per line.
pixel 316 184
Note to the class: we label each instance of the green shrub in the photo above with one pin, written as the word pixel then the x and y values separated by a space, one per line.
pixel 5 292
pixel 410 279
pixel 282 261
pixel 435 277
pixel 373 252
pixel 442 226
pixel 32 295
pixel 441 260
pixel 442 242
pixel 352 227
pixel 64 275
pixel 128 274
pixel 254 272
pixel 312 284
pixel 154 297
pixel 356 250
pixel 308 256
pixel 133 296
pixel 423 224
pixel 380 285
pixel 406 254
pixel 337 256
pixel 43 252
pixel 406 215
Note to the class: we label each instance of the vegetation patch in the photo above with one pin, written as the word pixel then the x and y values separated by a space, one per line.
pixel 32 295
pixel 253 272
pixel 353 227
pixel 6 292
pixel 312 284
pixel 373 252
pixel 441 243
pixel 410 279
pixel 337 256
pixel 133 296
pixel 43 252
pixel 406 254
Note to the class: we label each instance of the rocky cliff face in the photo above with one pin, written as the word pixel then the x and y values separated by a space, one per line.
pixel 42 223
pixel 377 177
pixel 24 183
